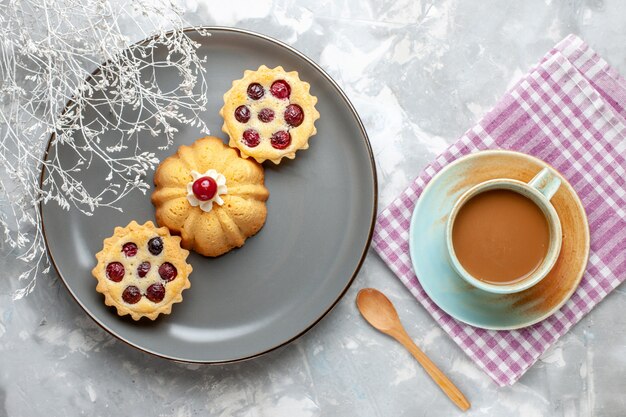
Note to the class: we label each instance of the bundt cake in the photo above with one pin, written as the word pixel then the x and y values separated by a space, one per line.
pixel 269 114
pixel 210 196
pixel 142 270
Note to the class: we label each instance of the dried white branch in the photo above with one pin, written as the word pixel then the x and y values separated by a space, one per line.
pixel 48 49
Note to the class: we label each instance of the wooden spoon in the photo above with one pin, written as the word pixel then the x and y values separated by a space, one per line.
pixel 381 314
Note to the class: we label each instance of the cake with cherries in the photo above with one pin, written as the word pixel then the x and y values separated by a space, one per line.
pixel 142 270
pixel 269 114
pixel 210 196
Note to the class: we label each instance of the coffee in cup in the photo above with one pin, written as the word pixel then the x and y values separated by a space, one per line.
pixel 504 235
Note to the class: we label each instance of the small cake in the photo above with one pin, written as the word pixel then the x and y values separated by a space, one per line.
pixel 269 114
pixel 142 270
pixel 210 196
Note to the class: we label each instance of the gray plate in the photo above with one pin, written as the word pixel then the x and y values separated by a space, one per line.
pixel 321 213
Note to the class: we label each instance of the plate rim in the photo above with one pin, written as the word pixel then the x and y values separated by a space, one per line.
pixel 366 247
pixel 577 201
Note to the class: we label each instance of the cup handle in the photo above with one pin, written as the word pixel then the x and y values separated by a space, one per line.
pixel 546 182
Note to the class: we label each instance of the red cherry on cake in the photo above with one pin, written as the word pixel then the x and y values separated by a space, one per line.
pixel 155 292
pixel 115 271
pixel 251 138
pixel 266 115
pixel 155 245
pixel 131 294
pixel 143 269
pixel 255 91
pixel 129 249
pixel 294 115
pixel 167 271
pixel 242 114
pixel 204 188
pixel 281 139
pixel 280 89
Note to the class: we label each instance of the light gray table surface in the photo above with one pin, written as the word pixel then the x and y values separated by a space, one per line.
pixel 420 74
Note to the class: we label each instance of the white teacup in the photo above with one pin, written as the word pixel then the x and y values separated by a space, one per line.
pixel 539 190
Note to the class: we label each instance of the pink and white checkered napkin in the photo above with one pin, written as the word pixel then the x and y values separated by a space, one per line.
pixel 570 111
